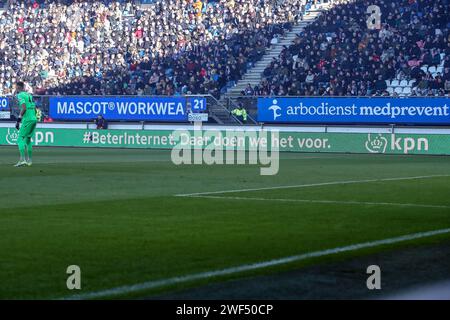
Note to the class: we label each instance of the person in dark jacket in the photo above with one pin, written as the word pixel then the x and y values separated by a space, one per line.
pixel 101 122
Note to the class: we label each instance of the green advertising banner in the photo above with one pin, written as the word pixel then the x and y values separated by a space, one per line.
pixel 238 140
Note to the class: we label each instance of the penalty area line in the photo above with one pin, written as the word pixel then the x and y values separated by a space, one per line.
pixel 329 201
pixel 128 289
pixel 330 183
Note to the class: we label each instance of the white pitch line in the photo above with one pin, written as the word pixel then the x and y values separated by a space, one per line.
pixel 249 267
pixel 312 185
pixel 329 201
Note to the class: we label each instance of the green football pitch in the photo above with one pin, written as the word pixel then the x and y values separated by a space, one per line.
pixel 138 225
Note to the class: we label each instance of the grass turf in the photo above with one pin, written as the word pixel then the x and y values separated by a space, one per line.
pixel 113 213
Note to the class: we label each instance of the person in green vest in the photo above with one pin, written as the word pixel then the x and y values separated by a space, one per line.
pixel 38 115
pixel 26 124
pixel 240 113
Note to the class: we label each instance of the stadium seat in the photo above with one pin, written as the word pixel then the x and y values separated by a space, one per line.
pixel 440 70
pixel 398 90
pixel 411 82
pixel 388 83
pixel 407 91
pixel 424 68
pixel 390 90
pixel 395 83
pixel 403 83
pixel 432 69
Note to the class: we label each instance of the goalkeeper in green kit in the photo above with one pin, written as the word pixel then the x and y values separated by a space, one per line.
pixel 26 124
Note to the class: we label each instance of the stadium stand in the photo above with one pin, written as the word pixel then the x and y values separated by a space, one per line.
pixel 207 47
pixel 338 55
pixel 166 47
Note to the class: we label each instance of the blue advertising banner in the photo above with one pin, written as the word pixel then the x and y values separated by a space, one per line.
pixel 4 103
pixel 354 110
pixel 119 108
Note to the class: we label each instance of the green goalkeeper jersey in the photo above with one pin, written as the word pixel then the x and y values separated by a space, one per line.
pixel 27 99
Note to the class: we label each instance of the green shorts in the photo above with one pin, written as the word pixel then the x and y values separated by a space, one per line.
pixel 27 129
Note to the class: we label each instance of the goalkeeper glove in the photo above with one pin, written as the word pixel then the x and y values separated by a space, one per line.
pixel 18 123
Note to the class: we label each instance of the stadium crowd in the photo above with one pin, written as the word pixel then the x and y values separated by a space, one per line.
pixel 169 47
pixel 338 55
pixel 173 47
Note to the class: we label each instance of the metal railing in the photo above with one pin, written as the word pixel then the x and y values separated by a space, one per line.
pixel 232 104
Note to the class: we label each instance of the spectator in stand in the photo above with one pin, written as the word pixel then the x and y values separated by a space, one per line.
pixel 101 123
pixel 248 91
pixel 380 85
pixel 339 55
pixel 119 48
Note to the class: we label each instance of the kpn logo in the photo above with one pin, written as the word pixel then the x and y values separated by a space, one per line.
pixel 12 136
pixel 379 143
pixel 39 137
